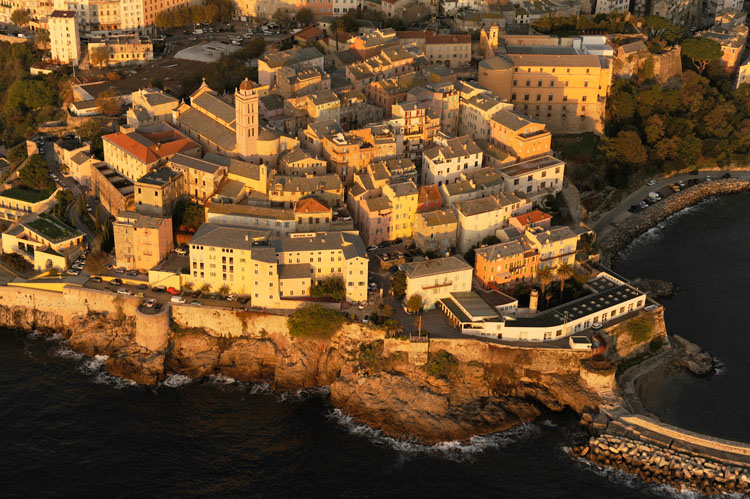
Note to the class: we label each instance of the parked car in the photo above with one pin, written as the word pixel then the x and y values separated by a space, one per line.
pixel 173 291
pixel 694 172
pixel 372 248
pixel 123 291
pixel 159 289
pixel 116 281
pixel 120 270
pixel 96 279
pixel 366 319
pixel 72 271
pixel 596 325
pixel 398 240
pixel 726 175
pixel 150 303
pixel 177 299
pixel 180 251
pixel 384 244
pixel 143 287
pixel 196 303
pixel 158 307
pixel 232 297
pixel 651 182
pixel 674 187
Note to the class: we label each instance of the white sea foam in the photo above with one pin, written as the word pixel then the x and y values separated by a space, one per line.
pixel 35 335
pixel 177 380
pixel 53 337
pixel 104 378
pixel 453 450
pixel 63 351
pixel 220 379
pixel 93 365
pixel 305 393
pixel 258 388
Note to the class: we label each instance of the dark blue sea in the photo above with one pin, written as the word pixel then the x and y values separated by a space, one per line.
pixel 70 430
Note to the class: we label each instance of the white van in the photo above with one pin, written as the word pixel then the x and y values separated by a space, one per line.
pixel 177 299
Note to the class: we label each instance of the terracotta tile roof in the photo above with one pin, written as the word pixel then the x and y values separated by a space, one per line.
pixel 533 217
pixel 309 33
pixel 310 205
pixel 429 193
pixel 150 147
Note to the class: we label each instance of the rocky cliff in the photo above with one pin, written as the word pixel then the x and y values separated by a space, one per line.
pixel 451 397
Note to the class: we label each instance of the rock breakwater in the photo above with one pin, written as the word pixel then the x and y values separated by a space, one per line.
pixel 660 464
pixel 639 223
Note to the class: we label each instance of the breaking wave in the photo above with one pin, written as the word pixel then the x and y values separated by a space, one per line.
pixel 177 380
pixel 452 450
pixel 305 394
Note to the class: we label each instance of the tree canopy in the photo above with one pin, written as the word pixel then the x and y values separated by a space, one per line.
pixel 701 51
pixel 211 11
pixel 99 56
pixel 332 287
pixel 20 17
pixel 304 16
pixel 35 175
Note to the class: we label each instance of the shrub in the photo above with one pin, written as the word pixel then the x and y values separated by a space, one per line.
pixel 315 321
pixel 442 364
pixel 333 287
pixel 371 355
pixel 640 328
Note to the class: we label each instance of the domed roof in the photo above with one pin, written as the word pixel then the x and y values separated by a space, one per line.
pixel 497 62
pixel 246 84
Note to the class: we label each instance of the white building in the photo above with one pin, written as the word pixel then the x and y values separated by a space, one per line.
pixel 437 279
pixel 447 158
pixel 65 39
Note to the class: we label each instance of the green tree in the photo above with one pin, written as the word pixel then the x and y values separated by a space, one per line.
pixel 315 321
pixel 393 328
pixel 701 51
pixel 109 102
pixel 92 131
pixel 281 17
pixel 628 148
pixel 654 129
pixel 564 272
pixel 81 206
pixel 304 16
pixel 42 38
pixel 415 303
pixel 333 287
pixel 194 216
pixel 544 275
pixel 99 56
pixel 398 284
pixel 20 17
pixel 35 175
pixel 351 21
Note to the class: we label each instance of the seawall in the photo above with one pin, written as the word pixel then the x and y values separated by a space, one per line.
pixel 638 223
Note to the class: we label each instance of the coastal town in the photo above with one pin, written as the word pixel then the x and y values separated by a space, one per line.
pixel 436 171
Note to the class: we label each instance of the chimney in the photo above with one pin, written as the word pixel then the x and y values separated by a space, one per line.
pixel 533 301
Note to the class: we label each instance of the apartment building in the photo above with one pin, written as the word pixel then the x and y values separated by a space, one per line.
pixel 278 221
pixel 414 124
pixel 93 15
pixel 295 81
pixel 555 246
pixel 534 178
pixel 64 37
pixel 506 264
pixel 286 191
pixel 387 215
pixel 269 65
pixel 202 177
pixel 150 106
pixel 729 31
pixel 352 152
pixel 518 136
pixel 391 62
pixel 473 185
pixel 437 278
pixel 16 203
pixel 157 192
pixel 445 160
pixel 123 49
pixel 480 218
pixel 134 152
pixel 435 231
pixel 385 93
pixel 561 87
pixel 370 44
pixel 298 163
pixel 476 112
pixel 443 99
pixel 141 241
pixel 276 270
pixel 451 50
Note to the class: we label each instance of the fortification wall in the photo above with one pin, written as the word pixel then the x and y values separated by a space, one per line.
pixel 222 322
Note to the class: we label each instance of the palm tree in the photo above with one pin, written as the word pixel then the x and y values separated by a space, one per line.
pixel 545 277
pixel 393 328
pixel 564 271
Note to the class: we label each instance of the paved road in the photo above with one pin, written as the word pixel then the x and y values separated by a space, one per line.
pixel 621 213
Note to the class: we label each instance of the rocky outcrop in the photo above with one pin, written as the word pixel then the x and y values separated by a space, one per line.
pixel 693 358
pixel 637 224
pixel 29 319
pixel 660 464
pixel 655 288
pixel 194 354
pixel 138 364
pixel 410 405
pixel 98 335
pixel 249 360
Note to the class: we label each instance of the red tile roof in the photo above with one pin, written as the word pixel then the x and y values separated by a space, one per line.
pixel 310 205
pixel 533 217
pixel 429 193
pixel 309 33
pixel 150 147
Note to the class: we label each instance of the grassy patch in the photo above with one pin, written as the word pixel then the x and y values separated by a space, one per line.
pixel 442 365
pixel 52 229
pixel 640 328
pixel 315 321
pixel 26 195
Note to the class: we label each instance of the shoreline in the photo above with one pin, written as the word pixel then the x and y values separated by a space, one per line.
pixel 638 224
